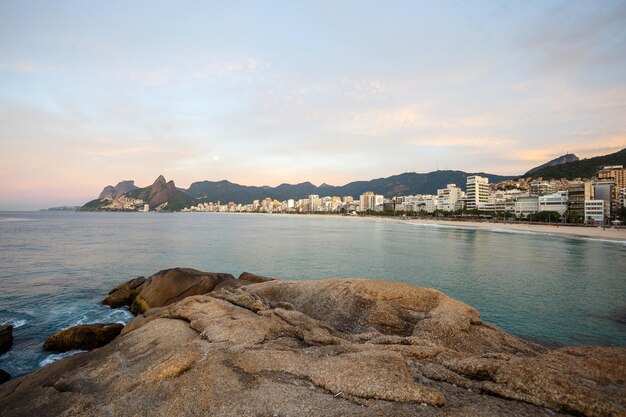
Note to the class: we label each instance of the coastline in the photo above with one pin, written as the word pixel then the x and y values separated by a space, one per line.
pixel 581 232
pixel 584 232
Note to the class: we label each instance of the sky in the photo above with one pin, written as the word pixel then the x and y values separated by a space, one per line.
pixel 264 93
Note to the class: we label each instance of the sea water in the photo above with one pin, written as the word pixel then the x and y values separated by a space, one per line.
pixel 56 267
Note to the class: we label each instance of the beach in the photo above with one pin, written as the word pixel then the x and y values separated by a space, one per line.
pixel 585 232
pixel 588 232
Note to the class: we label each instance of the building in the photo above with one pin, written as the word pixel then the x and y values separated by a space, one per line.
pixel 526 205
pixel 606 190
pixel 554 202
pixel 596 211
pixel 369 201
pixel 448 197
pixel 314 202
pixel 616 173
pixel 578 193
pixel 543 187
pixel 477 192
pixel 622 197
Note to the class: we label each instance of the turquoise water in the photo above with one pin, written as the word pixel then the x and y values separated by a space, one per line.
pixel 56 267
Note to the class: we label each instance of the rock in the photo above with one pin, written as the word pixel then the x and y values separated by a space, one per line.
pixel 6 338
pixel 83 337
pixel 322 348
pixel 4 376
pixel 171 285
pixel 254 279
pixel 124 294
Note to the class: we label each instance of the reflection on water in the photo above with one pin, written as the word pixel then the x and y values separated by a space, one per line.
pixel 56 267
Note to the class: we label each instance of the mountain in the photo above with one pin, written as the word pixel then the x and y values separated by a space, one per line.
pixel 160 195
pixel 402 184
pixel 122 187
pixel 584 168
pixel 563 159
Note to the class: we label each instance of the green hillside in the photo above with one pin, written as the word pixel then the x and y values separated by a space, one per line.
pixel 585 168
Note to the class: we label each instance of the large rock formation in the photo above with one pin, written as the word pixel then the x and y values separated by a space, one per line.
pixel 333 347
pixel 171 285
pixel 122 187
pixel 6 337
pixel 83 337
pixel 124 294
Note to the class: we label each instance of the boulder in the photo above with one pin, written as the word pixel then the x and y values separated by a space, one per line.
pixel 331 347
pixel 83 337
pixel 124 294
pixel 253 278
pixel 4 376
pixel 172 285
pixel 6 338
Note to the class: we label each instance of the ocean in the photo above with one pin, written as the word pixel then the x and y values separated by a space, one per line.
pixel 56 267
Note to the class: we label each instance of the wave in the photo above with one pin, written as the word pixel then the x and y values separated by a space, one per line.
pixel 116 315
pixel 14 219
pixel 57 356
pixel 13 322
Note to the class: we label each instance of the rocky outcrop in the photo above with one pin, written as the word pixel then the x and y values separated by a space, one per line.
pixel 4 376
pixel 253 278
pixel 161 191
pixel 122 187
pixel 332 347
pixel 172 285
pixel 83 337
pixel 123 294
pixel 6 337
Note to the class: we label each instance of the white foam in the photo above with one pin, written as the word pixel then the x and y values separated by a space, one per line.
pixel 57 356
pixel 14 322
pixel 14 219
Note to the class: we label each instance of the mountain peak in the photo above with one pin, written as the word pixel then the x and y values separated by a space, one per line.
pixel 563 159
pixel 160 181
pixel 122 187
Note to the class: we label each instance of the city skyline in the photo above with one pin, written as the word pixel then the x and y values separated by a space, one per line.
pixel 283 92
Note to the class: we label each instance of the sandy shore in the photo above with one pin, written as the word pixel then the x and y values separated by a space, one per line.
pixel 574 231
pixel 599 233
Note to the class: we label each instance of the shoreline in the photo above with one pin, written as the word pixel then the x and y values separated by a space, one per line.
pixel 582 232
pixel 597 233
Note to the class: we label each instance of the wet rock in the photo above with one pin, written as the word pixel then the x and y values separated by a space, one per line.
pixel 4 376
pixel 124 294
pixel 322 348
pixel 83 337
pixel 172 285
pixel 6 338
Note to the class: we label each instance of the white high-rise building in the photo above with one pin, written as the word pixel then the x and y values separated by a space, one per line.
pixel 448 197
pixel 477 191
pixel 315 202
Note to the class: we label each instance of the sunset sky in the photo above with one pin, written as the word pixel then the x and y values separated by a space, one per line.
pixel 262 93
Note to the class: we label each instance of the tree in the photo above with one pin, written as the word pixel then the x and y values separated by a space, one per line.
pixel 544 216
